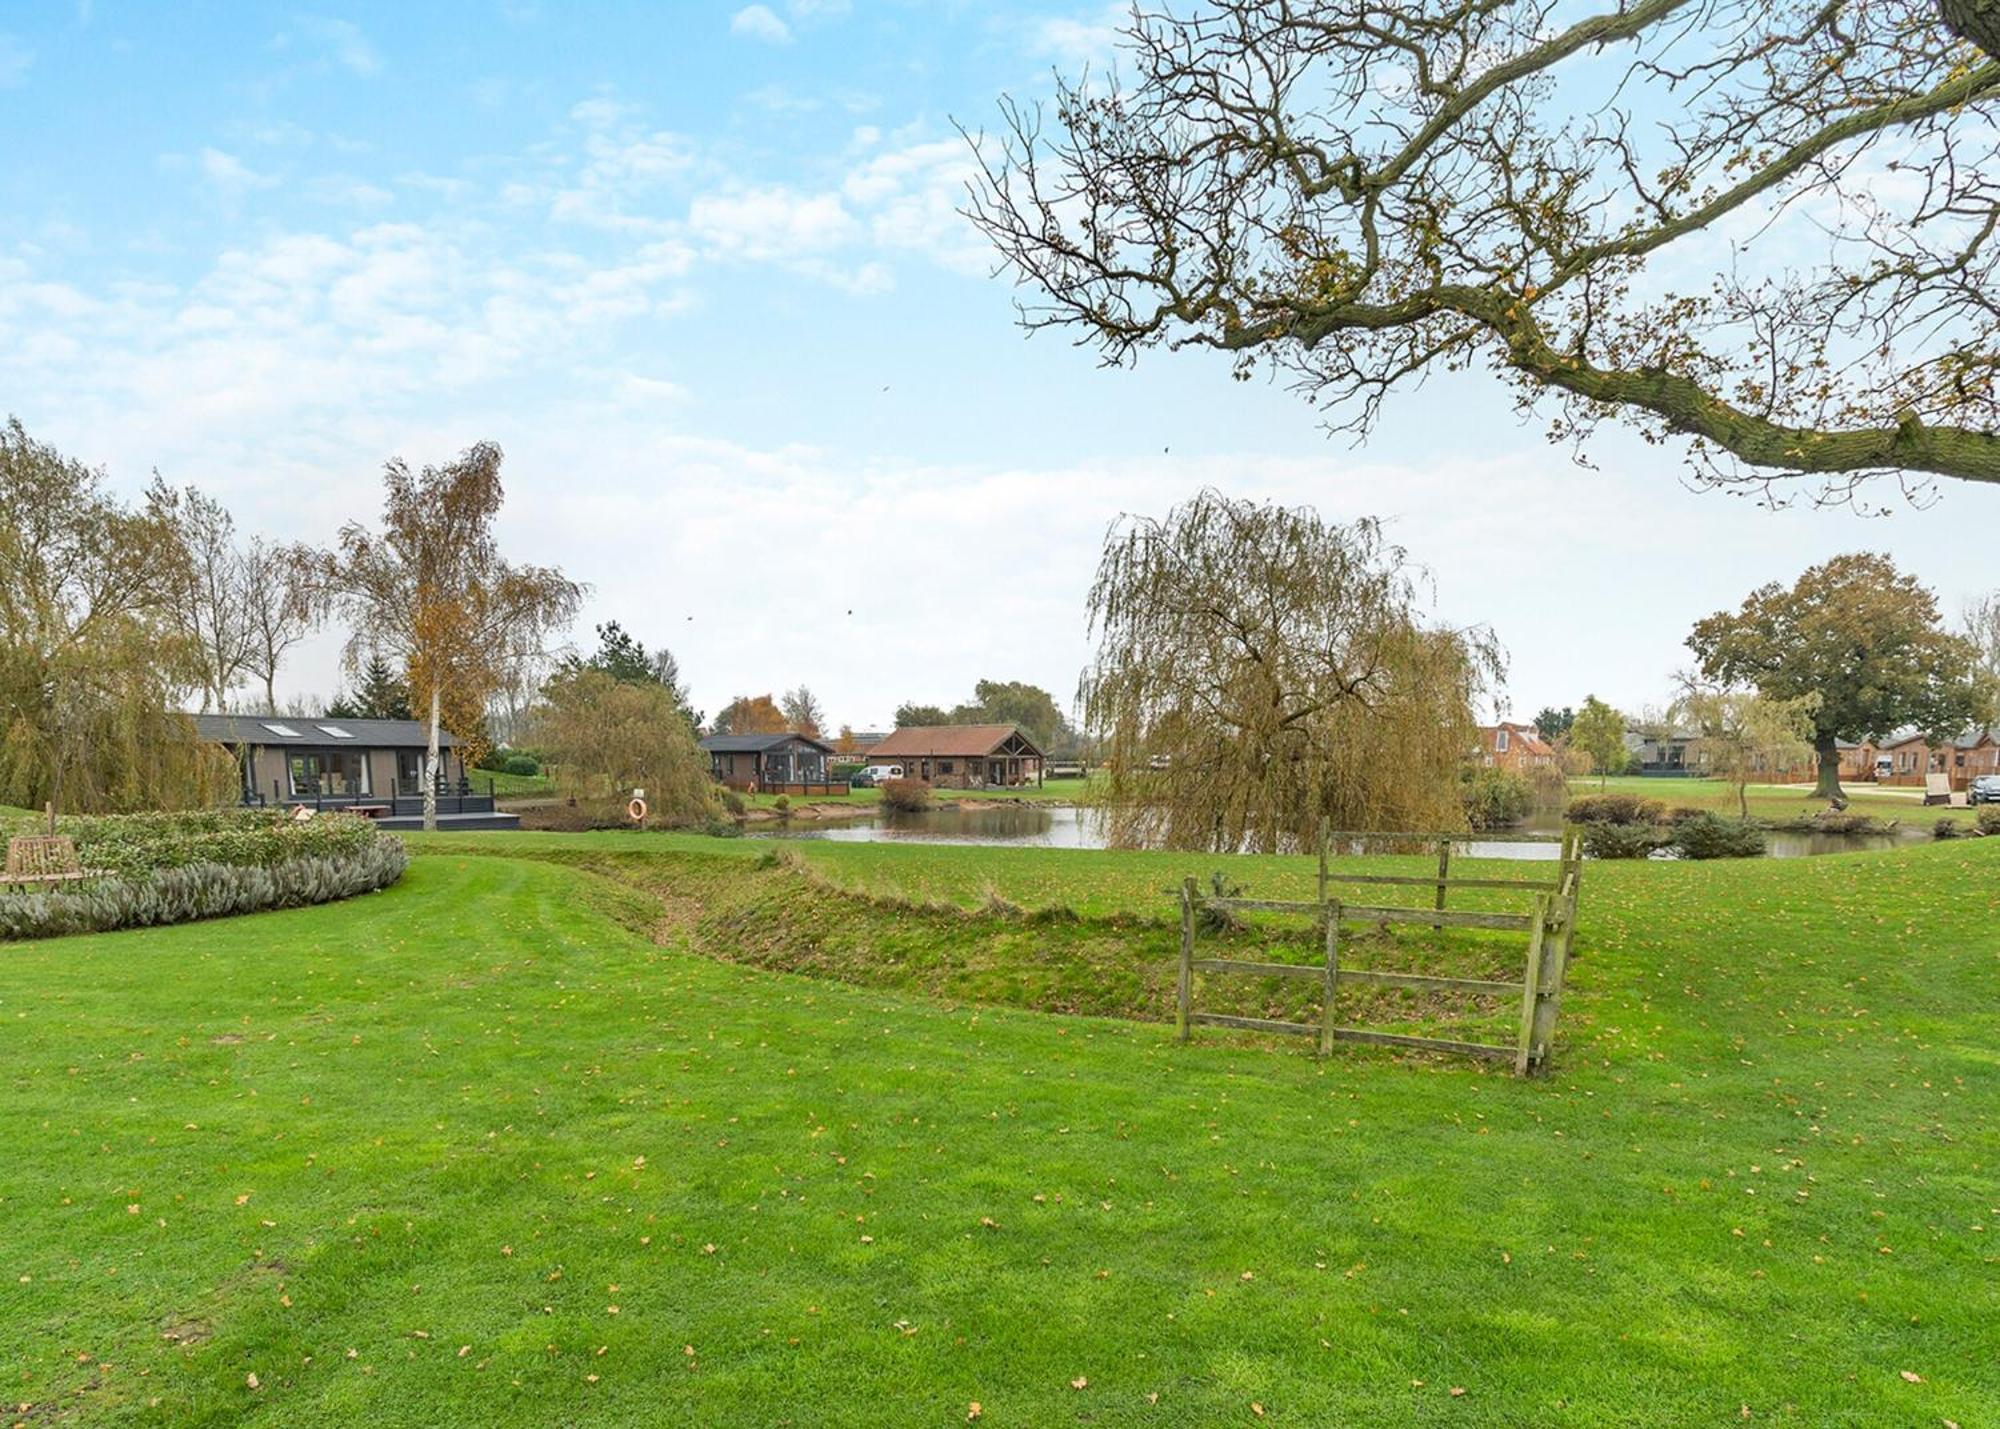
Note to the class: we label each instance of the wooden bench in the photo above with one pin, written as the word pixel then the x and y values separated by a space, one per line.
pixel 42 859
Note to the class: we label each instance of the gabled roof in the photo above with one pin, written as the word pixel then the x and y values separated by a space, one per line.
pixel 1530 737
pixel 951 741
pixel 758 743
pixel 279 730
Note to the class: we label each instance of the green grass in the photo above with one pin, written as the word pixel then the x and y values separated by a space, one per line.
pixel 513 786
pixel 1763 1176
pixel 1775 801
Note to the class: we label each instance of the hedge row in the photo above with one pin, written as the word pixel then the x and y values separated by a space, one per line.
pixel 134 845
pixel 187 892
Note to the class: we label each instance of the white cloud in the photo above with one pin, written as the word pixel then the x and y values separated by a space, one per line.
pixel 760 22
pixel 15 61
pixel 341 42
pixel 1075 43
pixel 770 224
pixel 229 175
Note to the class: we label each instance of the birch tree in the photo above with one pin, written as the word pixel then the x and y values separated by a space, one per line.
pixel 431 590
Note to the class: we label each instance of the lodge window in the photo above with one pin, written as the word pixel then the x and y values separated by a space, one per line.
pixel 1500 742
pixel 944 766
pixel 335 772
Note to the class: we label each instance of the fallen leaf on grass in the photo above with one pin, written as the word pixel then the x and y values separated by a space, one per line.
pixel 1079 1383
pixel 973 1411
pixel 1912 1376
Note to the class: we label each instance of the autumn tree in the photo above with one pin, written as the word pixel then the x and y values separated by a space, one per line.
pixel 432 591
pixel 1763 228
pixel 1598 731
pixel 803 712
pixel 281 597
pixel 751 714
pixel 1261 675
pixel 93 662
pixel 1860 638
pixel 1982 628
pixel 208 594
pixel 608 736
pixel 1745 736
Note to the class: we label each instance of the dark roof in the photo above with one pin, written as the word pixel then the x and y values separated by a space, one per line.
pixel 758 743
pixel 362 733
pixel 951 740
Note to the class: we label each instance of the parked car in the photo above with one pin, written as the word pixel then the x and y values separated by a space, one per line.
pixel 1985 790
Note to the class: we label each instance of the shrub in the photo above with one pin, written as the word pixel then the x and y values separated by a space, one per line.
pixel 783 803
pixel 907 796
pixel 1608 840
pixel 1615 809
pixel 521 764
pixel 1947 829
pixel 1712 836
pixel 1213 918
pixel 732 803
pixel 1496 798
pixel 133 845
pixel 721 829
pixel 1989 821
pixel 1681 813
pixel 185 892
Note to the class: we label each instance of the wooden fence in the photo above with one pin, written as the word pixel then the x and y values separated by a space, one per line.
pixel 1550 929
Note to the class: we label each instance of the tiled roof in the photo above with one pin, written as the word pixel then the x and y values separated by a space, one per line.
pixel 951 741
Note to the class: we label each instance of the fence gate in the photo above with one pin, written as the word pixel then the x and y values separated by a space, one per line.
pixel 1550 928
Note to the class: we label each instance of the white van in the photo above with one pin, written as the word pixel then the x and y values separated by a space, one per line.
pixel 878 772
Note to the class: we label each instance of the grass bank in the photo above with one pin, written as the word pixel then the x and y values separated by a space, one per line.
pixel 493 1146
pixel 1778 803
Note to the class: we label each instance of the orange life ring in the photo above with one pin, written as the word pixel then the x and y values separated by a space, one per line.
pixel 637 811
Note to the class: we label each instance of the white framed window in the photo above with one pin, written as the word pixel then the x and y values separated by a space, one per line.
pixel 1500 742
pixel 336 731
pixel 284 731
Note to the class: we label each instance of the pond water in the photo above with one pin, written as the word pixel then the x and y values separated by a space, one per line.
pixel 1045 826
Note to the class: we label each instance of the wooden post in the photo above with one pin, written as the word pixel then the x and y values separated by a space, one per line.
pixel 1184 992
pixel 1330 912
pixel 51 809
pixel 1444 872
pixel 1531 983
pixel 1322 861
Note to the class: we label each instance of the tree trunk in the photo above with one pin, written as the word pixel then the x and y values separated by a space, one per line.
pixel 1974 20
pixel 270 691
pixel 1829 768
pixel 430 769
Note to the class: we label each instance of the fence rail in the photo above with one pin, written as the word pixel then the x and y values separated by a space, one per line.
pixel 1550 927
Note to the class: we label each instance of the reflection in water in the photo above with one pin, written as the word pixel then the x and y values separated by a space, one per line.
pixel 1043 826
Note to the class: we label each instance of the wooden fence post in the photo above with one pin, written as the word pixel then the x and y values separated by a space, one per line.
pixel 1554 966
pixel 1184 991
pixel 1444 872
pixel 1531 982
pixel 1330 912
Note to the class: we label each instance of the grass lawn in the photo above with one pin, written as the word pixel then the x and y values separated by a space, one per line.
pixel 513 786
pixel 1774 801
pixel 494 1147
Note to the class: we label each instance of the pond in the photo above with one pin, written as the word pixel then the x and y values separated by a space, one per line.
pixel 1060 826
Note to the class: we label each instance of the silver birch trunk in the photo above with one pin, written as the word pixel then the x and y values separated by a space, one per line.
pixel 431 769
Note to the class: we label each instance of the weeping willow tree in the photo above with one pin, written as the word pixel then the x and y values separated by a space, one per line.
pixel 92 666
pixel 1261 675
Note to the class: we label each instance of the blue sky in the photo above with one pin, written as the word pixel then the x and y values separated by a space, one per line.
pixel 698 269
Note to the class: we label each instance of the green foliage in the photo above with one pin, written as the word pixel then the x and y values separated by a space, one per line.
pixel 920 716
pixel 609 737
pixel 1947 829
pixel 523 764
pixel 1615 809
pixel 906 796
pixel 1860 638
pixel 1599 732
pixel 782 804
pixel 1988 820
pixel 133 845
pixel 159 885
pixel 625 658
pixel 1496 798
pixel 1709 835
pixel 1030 707
pixel 381 695
pixel 1261 674
pixel 1552 724
pixel 1615 840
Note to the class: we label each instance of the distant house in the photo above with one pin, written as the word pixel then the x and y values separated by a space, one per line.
pixel 770 763
pixel 1663 752
pixel 371 766
pixel 964 756
pixel 1519 747
pixel 1913 758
